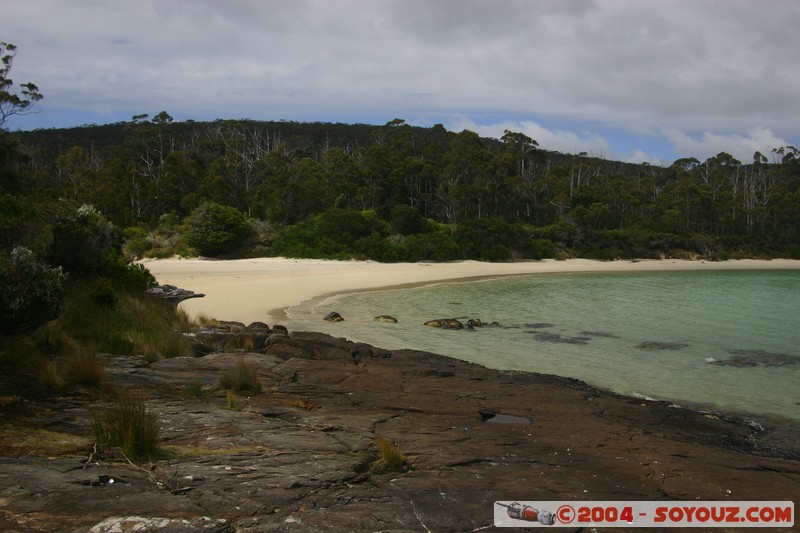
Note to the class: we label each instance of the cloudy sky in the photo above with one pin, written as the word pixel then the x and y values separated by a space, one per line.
pixel 623 79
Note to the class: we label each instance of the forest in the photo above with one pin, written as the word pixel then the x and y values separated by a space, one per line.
pixel 238 188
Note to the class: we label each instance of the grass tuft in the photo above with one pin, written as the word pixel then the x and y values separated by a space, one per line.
pixel 231 397
pixel 49 376
pixel 128 424
pixel 242 378
pixel 83 368
pixel 391 455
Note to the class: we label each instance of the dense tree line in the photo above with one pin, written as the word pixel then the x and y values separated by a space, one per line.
pixel 398 192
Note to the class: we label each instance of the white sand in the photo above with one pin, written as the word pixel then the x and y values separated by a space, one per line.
pixel 260 289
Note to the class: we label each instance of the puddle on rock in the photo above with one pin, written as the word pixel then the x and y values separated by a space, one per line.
pixel 499 418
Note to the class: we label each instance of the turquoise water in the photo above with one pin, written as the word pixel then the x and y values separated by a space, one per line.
pixel 657 335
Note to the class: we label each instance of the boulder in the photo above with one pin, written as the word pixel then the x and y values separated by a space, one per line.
pixel 445 323
pixel 333 316
pixel 386 319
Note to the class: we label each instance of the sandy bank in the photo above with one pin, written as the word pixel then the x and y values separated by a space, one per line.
pixel 250 290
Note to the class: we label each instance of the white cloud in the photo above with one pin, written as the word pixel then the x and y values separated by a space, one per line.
pixel 709 144
pixel 554 140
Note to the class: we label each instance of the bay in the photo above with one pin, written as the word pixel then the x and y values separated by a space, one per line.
pixel 724 340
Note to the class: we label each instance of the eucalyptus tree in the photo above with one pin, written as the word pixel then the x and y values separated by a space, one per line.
pixel 13 102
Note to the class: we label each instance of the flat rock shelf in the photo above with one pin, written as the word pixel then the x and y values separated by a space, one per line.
pixel 301 455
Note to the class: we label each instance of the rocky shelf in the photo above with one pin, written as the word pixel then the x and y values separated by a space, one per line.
pixel 300 456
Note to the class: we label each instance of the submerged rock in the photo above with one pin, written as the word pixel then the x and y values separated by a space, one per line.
pixel 555 337
pixel 599 334
pixel 757 358
pixel 658 345
pixel 539 325
pixel 386 319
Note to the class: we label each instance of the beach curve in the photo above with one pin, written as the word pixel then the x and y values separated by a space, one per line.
pixel 259 289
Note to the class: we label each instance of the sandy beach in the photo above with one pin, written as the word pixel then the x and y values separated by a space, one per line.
pixel 259 289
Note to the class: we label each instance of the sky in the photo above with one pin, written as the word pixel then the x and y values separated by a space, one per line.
pixel 630 80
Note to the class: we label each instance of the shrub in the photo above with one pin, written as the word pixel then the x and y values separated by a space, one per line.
pixel 129 425
pixel 213 229
pixel 82 241
pixel 242 378
pixel 407 220
pixel 31 291
pixel 436 246
pixel 485 239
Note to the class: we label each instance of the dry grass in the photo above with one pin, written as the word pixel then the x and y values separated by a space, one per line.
pixel 48 374
pixel 242 378
pixel 231 397
pixel 128 424
pixel 391 455
pixel 83 368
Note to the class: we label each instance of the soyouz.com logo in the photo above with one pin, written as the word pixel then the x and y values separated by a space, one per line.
pixel 644 514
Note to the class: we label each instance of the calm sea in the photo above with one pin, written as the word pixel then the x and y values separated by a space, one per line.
pixel 721 340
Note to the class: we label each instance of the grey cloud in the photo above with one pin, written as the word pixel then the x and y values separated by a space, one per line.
pixel 690 65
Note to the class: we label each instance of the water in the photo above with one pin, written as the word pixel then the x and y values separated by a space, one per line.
pixel 650 334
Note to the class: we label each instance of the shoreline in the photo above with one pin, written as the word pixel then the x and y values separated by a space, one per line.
pixel 251 290
pixel 231 286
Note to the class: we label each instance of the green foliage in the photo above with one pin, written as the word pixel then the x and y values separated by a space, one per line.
pixel 292 174
pixel 136 325
pixel 436 246
pixel 213 229
pixel 103 293
pixel 31 291
pixel 12 103
pixel 128 424
pixel 83 240
pixel 485 239
pixel 407 220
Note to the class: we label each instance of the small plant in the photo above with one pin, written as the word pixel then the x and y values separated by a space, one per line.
pixel 129 425
pixel 242 378
pixel 231 400
pixel 391 455
pixel 83 368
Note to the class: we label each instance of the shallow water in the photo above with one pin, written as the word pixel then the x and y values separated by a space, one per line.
pixel 664 335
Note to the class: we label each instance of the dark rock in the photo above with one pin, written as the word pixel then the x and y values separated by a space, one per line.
pixel 297 457
pixel 599 334
pixel 556 338
pixel 744 358
pixel 657 345
pixel 333 316
pixel 172 295
pixel 445 323
pixel 386 319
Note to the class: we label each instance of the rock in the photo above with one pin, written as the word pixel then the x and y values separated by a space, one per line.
pixel 657 345
pixel 297 457
pixel 172 295
pixel 557 338
pixel 333 316
pixel 752 358
pixel 386 319
pixel 474 323
pixel 445 323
